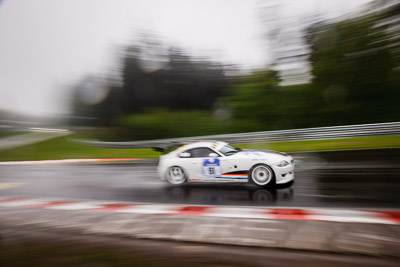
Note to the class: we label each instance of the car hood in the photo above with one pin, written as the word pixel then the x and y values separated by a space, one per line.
pixel 273 152
pixel 270 155
pixel 259 153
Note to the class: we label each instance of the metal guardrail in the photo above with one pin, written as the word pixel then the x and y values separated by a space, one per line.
pixel 321 133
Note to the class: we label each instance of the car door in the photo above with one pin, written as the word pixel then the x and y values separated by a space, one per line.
pixel 185 160
pixel 207 168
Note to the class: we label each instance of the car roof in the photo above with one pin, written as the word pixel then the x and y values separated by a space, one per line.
pixel 210 144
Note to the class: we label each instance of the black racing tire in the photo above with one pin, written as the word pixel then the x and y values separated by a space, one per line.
pixel 176 175
pixel 262 175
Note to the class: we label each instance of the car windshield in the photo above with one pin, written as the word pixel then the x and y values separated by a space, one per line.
pixel 228 150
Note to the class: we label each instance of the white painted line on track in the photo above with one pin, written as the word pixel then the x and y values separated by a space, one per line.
pixel 149 209
pixel 22 202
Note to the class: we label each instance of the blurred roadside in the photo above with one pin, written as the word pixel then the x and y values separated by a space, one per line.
pixel 322 72
pixel 362 237
pixel 61 248
pixel 50 146
pixel 20 139
pixel 334 72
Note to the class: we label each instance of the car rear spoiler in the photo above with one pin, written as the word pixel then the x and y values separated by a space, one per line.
pixel 167 147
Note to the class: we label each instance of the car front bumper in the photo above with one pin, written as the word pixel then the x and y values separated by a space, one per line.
pixel 284 174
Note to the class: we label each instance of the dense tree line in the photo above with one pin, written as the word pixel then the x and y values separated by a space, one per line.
pixel 154 79
pixel 355 65
pixel 356 78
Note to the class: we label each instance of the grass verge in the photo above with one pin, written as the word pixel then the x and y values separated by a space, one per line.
pixel 61 148
pixel 332 144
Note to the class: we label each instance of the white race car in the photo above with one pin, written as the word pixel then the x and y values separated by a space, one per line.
pixel 214 161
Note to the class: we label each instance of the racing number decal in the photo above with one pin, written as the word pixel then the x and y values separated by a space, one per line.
pixel 211 168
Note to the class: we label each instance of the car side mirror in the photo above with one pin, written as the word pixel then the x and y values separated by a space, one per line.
pixel 184 155
pixel 213 155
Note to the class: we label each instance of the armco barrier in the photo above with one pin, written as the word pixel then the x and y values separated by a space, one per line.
pixel 320 133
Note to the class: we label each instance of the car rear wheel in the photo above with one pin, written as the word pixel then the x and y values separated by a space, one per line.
pixel 262 175
pixel 176 175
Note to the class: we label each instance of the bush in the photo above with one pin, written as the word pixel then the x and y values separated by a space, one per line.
pixel 156 124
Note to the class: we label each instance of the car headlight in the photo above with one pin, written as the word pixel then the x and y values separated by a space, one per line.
pixel 282 163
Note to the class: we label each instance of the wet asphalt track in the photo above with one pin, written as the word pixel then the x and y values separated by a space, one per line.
pixel 351 179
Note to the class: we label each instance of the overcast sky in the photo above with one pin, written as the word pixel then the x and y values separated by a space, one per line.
pixel 45 45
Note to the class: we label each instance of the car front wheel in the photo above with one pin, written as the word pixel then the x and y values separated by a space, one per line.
pixel 262 175
pixel 176 175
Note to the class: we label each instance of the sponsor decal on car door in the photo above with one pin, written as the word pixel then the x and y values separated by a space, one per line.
pixel 211 167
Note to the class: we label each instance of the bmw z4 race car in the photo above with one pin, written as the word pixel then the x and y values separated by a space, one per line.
pixel 210 161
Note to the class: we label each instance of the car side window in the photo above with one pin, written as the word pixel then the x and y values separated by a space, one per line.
pixel 200 152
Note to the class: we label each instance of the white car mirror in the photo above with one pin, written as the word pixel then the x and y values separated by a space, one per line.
pixel 184 155
pixel 213 155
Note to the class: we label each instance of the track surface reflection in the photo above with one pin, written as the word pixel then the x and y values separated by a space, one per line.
pixel 364 179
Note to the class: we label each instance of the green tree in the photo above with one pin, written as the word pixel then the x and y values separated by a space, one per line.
pixel 254 101
pixel 258 103
pixel 352 62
